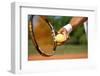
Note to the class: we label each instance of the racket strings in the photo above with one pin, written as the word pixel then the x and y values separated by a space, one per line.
pixel 43 36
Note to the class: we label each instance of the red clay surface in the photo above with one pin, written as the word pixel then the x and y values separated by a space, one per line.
pixel 65 56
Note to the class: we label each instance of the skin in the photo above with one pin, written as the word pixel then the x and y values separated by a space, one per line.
pixel 75 22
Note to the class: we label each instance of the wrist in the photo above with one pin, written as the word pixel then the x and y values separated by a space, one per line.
pixel 68 28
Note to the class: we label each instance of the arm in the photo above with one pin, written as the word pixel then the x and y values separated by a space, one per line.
pixel 76 21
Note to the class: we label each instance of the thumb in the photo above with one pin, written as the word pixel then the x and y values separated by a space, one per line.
pixel 61 30
pixel 65 35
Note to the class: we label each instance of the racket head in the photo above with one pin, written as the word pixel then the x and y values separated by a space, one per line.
pixel 42 34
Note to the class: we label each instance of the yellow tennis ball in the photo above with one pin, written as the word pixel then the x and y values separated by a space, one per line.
pixel 59 38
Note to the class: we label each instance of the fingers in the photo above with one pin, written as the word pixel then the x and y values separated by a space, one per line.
pixel 64 32
pixel 59 44
pixel 60 31
pixel 65 35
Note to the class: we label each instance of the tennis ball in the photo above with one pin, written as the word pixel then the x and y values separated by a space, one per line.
pixel 59 38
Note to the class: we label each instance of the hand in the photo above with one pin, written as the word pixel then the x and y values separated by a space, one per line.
pixel 64 32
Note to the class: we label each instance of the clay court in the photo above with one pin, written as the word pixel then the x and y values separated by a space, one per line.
pixel 54 57
pixel 76 49
pixel 62 52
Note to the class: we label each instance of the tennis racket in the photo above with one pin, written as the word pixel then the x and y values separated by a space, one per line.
pixel 42 34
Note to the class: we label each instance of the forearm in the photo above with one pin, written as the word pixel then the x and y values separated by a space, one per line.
pixel 76 21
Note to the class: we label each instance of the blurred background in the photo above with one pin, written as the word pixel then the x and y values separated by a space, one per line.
pixel 76 44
